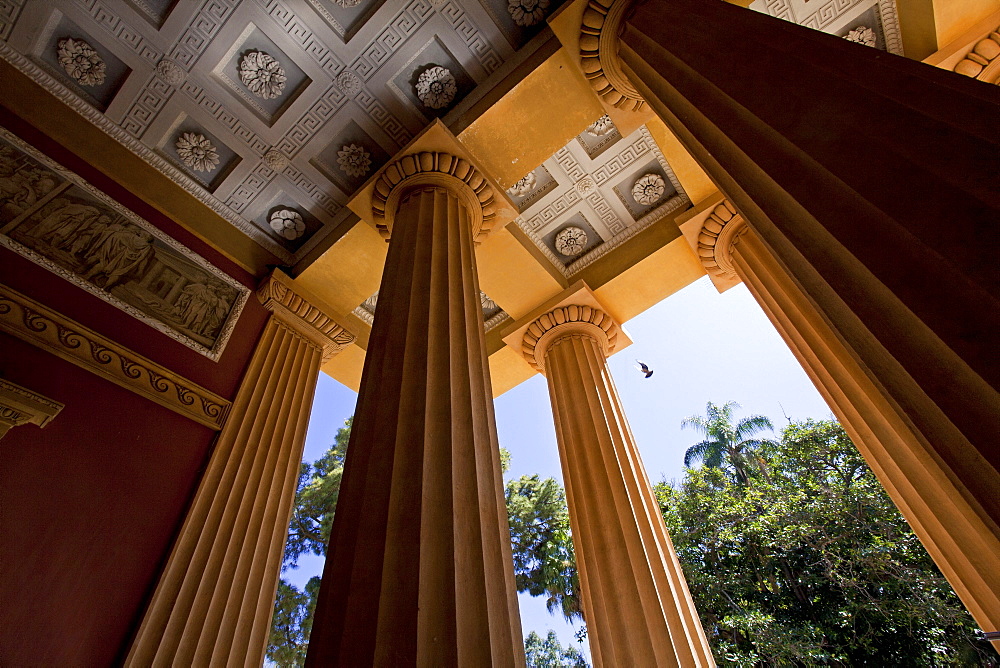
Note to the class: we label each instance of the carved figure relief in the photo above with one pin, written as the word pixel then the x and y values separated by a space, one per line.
pixel 197 152
pixel 81 62
pixel 524 185
pixel 262 75
pixel 171 72
pixel 527 12
pixel 288 223
pixel 861 35
pixel 601 126
pixel 354 160
pixel 436 87
pixel 62 223
pixel 570 241
pixel 648 189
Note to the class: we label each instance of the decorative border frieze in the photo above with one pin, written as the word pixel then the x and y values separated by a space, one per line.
pixel 32 322
pixel 117 27
pixel 9 11
pixel 100 121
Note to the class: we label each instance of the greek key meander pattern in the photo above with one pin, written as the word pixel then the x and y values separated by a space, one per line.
pixel 9 9
pixel 29 321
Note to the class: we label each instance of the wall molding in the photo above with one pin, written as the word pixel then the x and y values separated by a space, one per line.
pixel 26 319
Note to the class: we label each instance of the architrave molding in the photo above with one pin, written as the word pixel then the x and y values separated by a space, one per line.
pixel 33 323
pixel 278 294
pixel 599 54
pixel 19 405
pixel 570 320
pixel 434 168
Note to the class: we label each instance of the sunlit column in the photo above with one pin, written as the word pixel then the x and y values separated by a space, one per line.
pixel 635 599
pixel 926 490
pixel 419 569
pixel 212 606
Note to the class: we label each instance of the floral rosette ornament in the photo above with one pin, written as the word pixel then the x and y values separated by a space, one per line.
pixel 524 185
pixel 81 62
pixel 262 74
pixel 197 152
pixel 601 126
pixel 436 87
pixel 570 241
pixel 861 35
pixel 288 224
pixel 648 189
pixel 354 160
pixel 527 12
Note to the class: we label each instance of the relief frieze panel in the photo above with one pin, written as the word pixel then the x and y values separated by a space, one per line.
pixel 59 221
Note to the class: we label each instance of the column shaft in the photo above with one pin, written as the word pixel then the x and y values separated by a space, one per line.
pixel 213 603
pixel 637 605
pixel 419 568
pixel 928 494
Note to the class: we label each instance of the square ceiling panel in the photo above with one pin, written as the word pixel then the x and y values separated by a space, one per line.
pixel 265 80
pixel 350 158
pixel 154 11
pixel 346 17
pixel 286 221
pixel 432 81
pixel 531 187
pixel 198 153
pixel 520 20
pixel 79 61
pixel 645 189
pixel 599 136
pixel 572 239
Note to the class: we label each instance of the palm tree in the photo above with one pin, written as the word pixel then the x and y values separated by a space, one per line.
pixel 725 443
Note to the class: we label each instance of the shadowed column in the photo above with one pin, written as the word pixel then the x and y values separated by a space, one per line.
pixel 214 600
pixel 419 569
pixel 635 599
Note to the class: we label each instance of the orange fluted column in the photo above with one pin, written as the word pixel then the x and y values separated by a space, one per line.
pixel 925 488
pixel 214 600
pixel 419 569
pixel 635 599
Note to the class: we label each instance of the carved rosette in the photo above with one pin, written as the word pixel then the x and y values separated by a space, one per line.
pixel 262 75
pixel 197 152
pixel 648 189
pixel 565 321
pixel 348 82
pixel 861 35
pixel 440 169
pixel 81 61
pixel 303 317
pixel 601 126
pixel 276 160
pixel 436 87
pixel 599 54
pixel 524 185
pixel 585 186
pixel 984 54
pixel 288 223
pixel 171 72
pixel 719 233
pixel 527 12
pixel 354 160
pixel 571 240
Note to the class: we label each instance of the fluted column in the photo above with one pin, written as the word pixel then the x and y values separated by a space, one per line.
pixel 214 600
pixel 419 569
pixel 926 489
pixel 636 602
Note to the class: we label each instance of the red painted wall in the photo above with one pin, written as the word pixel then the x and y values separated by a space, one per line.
pixel 90 505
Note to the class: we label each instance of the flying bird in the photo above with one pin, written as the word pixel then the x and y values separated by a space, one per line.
pixel 643 368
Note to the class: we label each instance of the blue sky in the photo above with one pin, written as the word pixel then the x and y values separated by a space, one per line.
pixel 702 346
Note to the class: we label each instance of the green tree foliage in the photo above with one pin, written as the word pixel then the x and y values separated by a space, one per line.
pixel 726 445
pixel 549 653
pixel 803 560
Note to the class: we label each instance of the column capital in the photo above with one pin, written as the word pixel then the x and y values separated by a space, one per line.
pixel 599 58
pixel 566 321
pixel 719 233
pixel 434 168
pixel 277 295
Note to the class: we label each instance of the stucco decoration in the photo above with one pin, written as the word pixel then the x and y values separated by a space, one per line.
pixel 861 35
pixel 347 4
pixel 984 53
pixel 585 186
pixel 288 223
pixel 171 72
pixel 354 160
pixel 410 167
pixel 197 152
pixel 348 82
pixel 719 233
pixel 436 87
pixel 572 318
pixel 648 189
pixel 81 62
pixel 599 54
pixel 601 126
pixel 524 185
pixel 570 241
pixel 276 160
pixel 262 74
pixel 527 12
